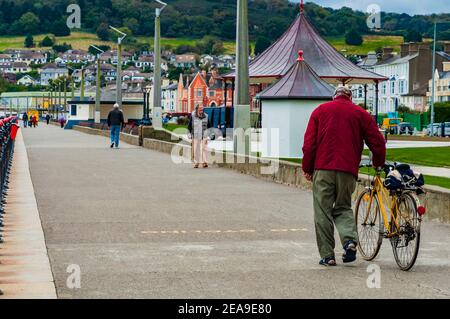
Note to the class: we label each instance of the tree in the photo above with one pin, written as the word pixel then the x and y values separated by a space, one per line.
pixel 103 32
pixel 47 42
pixel 353 37
pixel 29 41
pixel 413 36
pixel 262 43
pixel 29 23
pixel 61 48
pixel 60 29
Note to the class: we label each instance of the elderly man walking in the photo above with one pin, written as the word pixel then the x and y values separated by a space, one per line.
pixel 198 128
pixel 333 146
pixel 115 123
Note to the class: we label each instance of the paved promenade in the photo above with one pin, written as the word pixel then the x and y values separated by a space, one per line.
pixel 139 226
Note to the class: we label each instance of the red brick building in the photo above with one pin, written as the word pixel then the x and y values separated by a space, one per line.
pixel 205 89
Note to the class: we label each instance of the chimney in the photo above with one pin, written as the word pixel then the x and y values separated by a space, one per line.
pixel 446 66
pixel 404 49
pixel 413 48
pixel 447 48
pixel 387 53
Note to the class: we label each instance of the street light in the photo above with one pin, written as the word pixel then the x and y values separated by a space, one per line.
pixel 97 118
pixel 241 141
pixel 157 110
pixel 119 65
pixel 146 109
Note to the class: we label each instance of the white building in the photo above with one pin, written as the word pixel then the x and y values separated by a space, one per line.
pixel 169 97
pixel 26 80
pixel 14 67
pixel 409 73
pixel 52 71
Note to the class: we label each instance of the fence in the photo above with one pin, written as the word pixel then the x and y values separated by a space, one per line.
pixel 8 130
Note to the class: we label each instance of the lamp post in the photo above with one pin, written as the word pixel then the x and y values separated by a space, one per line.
pixel 241 141
pixel 157 110
pixel 433 80
pixel 65 94
pixel 146 108
pixel 119 66
pixel 97 118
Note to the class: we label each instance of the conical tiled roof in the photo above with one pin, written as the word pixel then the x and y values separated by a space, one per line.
pixel 323 58
pixel 300 82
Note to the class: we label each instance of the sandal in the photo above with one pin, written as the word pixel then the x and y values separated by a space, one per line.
pixel 328 261
pixel 205 165
pixel 196 166
pixel 350 252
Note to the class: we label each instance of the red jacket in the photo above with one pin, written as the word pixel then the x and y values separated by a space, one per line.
pixel 335 137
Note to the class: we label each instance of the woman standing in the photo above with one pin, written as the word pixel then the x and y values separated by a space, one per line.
pixel 198 129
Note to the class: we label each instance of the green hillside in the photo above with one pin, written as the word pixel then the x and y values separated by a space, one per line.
pixel 82 40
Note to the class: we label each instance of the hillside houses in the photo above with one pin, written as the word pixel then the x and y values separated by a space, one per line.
pixel 75 57
pixel 184 60
pixel 26 56
pixel 147 61
pixel 52 71
pixel 14 67
pixel 111 57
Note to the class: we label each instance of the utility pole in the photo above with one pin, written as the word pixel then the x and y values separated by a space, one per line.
pixel 119 66
pixel 242 99
pixel 82 84
pixel 157 110
pixel 433 84
pixel 97 112
pixel 65 94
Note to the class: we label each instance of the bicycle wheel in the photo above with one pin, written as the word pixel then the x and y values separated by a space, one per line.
pixel 405 244
pixel 369 225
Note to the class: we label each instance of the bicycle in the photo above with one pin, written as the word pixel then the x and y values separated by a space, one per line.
pixel 392 214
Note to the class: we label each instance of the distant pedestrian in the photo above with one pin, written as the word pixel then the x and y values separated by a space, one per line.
pixel 115 122
pixel 62 120
pixel 334 142
pixel 25 119
pixel 47 118
pixel 198 129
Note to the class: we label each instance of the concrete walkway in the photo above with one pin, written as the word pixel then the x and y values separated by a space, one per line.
pixel 139 226
pixel 24 264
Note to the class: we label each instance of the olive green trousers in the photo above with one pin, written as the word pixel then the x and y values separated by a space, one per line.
pixel 332 193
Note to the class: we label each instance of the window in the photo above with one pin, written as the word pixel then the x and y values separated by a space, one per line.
pixel 392 87
pixel 199 93
pixel 212 93
pixel 73 110
pixel 383 89
pixel 402 87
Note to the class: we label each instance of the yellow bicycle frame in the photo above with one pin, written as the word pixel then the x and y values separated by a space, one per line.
pixel 383 197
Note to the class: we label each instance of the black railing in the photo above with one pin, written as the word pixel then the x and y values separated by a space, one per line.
pixel 6 154
pixel 6 158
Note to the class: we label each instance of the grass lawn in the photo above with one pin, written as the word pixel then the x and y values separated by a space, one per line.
pixel 82 40
pixel 172 127
pixel 427 156
pixel 371 43
pixel 78 40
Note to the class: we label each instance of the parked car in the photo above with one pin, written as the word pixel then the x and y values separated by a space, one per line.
pixel 405 128
pixel 446 129
pixel 436 127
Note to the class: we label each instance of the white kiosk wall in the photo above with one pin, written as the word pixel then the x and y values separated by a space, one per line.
pixel 291 118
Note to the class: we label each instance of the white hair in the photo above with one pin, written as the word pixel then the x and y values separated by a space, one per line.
pixel 116 106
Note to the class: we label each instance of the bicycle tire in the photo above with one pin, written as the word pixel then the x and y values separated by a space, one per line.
pixel 369 250
pixel 404 240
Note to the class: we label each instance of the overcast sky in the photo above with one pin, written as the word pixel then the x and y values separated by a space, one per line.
pixel 401 6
